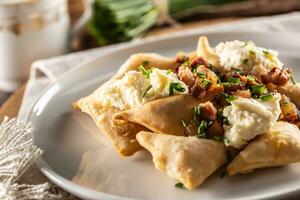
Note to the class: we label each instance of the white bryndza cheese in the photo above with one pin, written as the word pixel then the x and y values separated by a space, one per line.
pixel 127 92
pixel 249 118
pixel 246 56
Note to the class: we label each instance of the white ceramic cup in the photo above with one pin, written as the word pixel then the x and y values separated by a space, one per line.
pixel 32 30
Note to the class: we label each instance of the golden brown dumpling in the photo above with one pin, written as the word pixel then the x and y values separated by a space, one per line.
pixel 205 51
pixel 189 160
pixel 163 115
pixel 281 146
pixel 292 91
pixel 122 133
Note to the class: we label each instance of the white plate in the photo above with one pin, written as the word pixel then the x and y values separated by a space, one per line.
pixel 67 135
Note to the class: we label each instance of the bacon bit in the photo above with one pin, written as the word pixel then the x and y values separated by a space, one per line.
pixel 198 61
pixel 244 79
pixel 215 129
pixel 243 94
pixel 185 75
pixel 234 87
pixel 277 76
pixel 196 89
pixel 270 86
pixel 209 112
pixel 289 110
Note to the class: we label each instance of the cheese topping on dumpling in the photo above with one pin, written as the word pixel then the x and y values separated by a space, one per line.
pixel 246 56
pixel 249 118
pixel 137 88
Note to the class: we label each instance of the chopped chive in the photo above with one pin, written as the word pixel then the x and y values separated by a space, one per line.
pixel 251 78
pixel 202 128
pixel 225 120
pixel 200 75
pixel 194 70
pixel 266 97
pixel 258 89
pixel 145 63
pixel 220 114
pixel 252 52
pixel 197 113
pixel 222 118
pixel 205 83
pixel 245 61
pixel 186 62
pixel 226 84
pixel 226 141
pixel 218 138
pixel 183 123
pixel 145 92
pixel 144 71
pixel 265 52
pixel 236 70
pixel 234 80
pixel 293 80
pixel 177 87
pixel 169 71
pixel 230 98
pixel 179 185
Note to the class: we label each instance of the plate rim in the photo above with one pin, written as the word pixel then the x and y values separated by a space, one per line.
pixel 61 181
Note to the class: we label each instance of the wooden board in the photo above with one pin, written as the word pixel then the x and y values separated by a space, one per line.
pixel 12 105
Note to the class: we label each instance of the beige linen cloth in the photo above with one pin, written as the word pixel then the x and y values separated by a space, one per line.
pixel 19 178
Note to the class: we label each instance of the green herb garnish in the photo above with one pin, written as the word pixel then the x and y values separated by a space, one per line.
pixel 230 98
pixel 179 185
pixel 225 120
pixel 197 113
pixel 265 52
pixel 200 75
pixel 218 138
pixel 177 87
pixel 169 71
pixel 251 78
pixel 205 83
pixel 234 80
pixel 144 71
pixel 266 97
pixel 222 118
pixel 258 89
pixel 293 80
pixel 202 128
pixel 236 70
pixel 226 142
pixel 186 62
pixel 226 84
pixel 252 52
pixel 245 61
pixel 183 123
pixel 145 92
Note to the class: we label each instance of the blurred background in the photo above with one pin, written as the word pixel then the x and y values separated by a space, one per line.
pixel 31 30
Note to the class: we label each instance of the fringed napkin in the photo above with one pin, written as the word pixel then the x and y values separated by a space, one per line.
pixel 17 155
